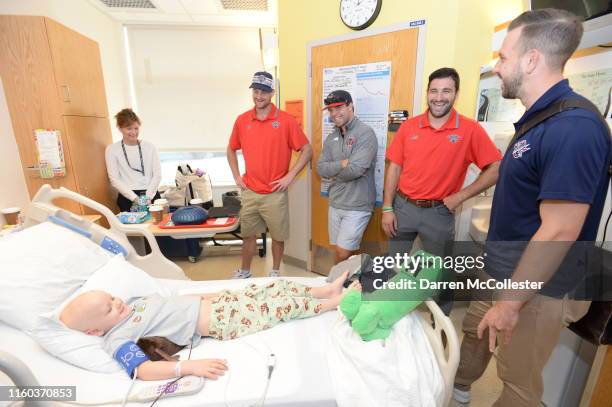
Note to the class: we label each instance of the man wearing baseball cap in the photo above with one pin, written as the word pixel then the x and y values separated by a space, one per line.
pixel 347 162
pixel 267 136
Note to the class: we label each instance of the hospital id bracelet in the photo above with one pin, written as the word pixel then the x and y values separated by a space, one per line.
pixel 387 209
pixel 177 369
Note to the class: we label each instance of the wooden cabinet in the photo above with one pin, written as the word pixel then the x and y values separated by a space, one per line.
pixel 78 71
pixel 52 77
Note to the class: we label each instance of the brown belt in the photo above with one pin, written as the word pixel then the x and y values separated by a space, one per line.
pixel 421 203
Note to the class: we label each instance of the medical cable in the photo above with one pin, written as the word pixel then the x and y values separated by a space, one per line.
pixel 270 365
pixel 168 385
pixel 125 398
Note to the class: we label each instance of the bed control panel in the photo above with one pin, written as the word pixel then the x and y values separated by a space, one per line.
pixel 184 386
pixel 112 246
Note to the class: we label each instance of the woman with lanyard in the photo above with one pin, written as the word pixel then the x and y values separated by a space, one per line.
pixel 133 165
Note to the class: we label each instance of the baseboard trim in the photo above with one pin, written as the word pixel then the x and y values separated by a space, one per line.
pixel 294 261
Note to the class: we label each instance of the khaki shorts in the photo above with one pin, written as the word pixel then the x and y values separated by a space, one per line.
pixel 265 210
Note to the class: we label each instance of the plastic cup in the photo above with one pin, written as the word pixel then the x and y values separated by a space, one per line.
pixel 157 212
pixel 164 203
pixel 11 215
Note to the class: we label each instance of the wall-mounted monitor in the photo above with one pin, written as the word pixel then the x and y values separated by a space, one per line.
pixel 589 9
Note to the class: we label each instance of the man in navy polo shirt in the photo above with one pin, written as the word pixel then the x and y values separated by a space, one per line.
pixel 547 205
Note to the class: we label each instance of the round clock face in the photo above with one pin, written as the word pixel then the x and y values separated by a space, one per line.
pixel 358 14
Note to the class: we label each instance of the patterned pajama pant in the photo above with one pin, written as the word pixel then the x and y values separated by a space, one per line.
pixel 255 308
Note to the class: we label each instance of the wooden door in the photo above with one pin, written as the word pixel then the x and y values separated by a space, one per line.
pixel 602 394
pixel 31 95
pixel 78 71
pixel 399 47
pixel 87 138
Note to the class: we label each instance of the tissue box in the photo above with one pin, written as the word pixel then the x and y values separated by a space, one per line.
pixel 132 217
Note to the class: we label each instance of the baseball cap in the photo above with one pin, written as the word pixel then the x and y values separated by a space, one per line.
pixel 262 81
pixel 337 98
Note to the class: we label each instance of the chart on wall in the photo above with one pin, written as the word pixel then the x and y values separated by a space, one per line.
pixel 596 86
pixel 369 86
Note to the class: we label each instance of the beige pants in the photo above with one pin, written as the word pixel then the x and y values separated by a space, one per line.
pixel 520 362
pixel 265 210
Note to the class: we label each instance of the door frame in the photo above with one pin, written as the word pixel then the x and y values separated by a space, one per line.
pixel 420 25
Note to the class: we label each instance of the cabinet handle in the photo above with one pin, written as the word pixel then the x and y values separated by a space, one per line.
pixel 65 93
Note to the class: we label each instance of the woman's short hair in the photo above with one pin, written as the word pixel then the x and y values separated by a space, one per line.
pixel 126 117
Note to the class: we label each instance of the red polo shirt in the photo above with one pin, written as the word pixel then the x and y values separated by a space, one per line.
pixel 266 146
pixel 434 161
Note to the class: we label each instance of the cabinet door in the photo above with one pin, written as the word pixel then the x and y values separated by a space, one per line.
pixel 31 96
pixel 78 71
pixel 87 138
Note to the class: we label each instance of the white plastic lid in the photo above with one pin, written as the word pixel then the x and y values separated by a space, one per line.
pixel 13 209
pixel 154 208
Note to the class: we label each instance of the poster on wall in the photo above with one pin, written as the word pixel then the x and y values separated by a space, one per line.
pixel 50 153
pixel 596 86
pixel 370 86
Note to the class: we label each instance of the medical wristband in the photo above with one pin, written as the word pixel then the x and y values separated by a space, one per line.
pixel 177 369
pixel 130 356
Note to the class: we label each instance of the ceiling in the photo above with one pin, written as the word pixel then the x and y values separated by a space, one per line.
pixel 233 13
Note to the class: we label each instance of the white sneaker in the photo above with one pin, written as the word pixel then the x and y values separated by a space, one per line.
pixel 461 396
pixel 274 273
pixel 241 274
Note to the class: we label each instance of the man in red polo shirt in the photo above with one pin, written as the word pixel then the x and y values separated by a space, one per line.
pixel 429 157
pixel 267 136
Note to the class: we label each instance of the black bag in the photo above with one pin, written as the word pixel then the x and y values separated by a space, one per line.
pixel 596 325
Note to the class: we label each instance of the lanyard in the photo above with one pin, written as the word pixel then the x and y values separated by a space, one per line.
pixel 141 170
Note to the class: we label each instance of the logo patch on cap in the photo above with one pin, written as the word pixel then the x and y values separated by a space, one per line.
pixel 262 81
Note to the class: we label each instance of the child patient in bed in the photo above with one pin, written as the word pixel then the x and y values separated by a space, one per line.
pixel 185 319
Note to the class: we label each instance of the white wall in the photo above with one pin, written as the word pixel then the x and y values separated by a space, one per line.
pixel 13 191
pixel 192 82
pixel 86 19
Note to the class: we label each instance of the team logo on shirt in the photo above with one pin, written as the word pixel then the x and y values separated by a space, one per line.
pixel 248 127
pixel 520 148
pixel 276 124
pixel 350 141
pixel 453 138
pixel 414 138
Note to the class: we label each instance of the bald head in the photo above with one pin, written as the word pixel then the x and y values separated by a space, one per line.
pixel 94 312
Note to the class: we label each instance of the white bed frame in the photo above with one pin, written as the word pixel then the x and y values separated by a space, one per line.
pixel 153 263
pixel 158 266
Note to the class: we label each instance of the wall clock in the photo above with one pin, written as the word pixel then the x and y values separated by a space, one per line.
pixel 359 14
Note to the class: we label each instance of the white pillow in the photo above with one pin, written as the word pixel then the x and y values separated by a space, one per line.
pixel 40 267
pixel 120 279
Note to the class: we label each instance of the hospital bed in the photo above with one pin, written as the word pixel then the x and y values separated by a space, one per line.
pixel 300 378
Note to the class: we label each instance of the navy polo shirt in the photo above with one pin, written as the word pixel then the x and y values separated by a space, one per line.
pixel 564 158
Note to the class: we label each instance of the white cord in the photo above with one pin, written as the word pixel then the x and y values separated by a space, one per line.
pixel 125 399
pixel 270 365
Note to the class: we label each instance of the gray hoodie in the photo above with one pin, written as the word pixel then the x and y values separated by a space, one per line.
pixel 352 188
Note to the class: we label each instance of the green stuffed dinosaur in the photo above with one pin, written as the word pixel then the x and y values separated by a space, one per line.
pixel 373 315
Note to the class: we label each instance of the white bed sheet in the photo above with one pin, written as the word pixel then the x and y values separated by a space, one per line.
pixel 301 377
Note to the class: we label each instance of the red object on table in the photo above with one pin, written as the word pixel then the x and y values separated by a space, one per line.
pixel 166 223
